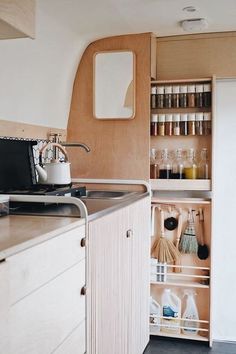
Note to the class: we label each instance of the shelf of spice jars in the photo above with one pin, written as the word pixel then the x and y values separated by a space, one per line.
pixel 181 184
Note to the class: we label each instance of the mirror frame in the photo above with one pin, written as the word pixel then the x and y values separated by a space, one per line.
pixel 134 84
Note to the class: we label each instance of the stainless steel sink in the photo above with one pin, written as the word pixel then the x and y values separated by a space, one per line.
pixel 98 194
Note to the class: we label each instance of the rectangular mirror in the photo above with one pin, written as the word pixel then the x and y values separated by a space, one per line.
pixel 114 85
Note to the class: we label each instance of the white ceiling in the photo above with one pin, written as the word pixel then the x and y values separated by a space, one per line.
pixel 91 19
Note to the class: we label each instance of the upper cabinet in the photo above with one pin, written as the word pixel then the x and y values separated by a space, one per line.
pixel 17 19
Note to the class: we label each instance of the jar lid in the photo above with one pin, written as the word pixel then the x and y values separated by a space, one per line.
pixel 168 89
pixel 207 116
pixel 169 117
pixel 160 90
pixel 161 118
pixel 207 88
pixel 154 118
pixel 154 90
pixel 191 88
pixel 175 89
pixel 199 116
pixel 176 117
pixel 183 117
pixel 183 89
pixel 191 117
pixel 199 88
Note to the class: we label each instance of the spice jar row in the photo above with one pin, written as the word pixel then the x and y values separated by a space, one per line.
pixel 181 124
pixel 179 164
pixel 182 96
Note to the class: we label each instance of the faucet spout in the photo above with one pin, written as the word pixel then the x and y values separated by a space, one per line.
pixel 82 145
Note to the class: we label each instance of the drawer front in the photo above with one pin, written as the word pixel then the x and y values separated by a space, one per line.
pixel 41 321
pixel 75 343
pixel 37 265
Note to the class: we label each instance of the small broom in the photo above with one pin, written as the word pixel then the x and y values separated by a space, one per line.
pixel 188 241
pixel 179 230
pixel 163 249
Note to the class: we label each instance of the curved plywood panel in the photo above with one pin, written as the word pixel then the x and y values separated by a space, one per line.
pixel 119 149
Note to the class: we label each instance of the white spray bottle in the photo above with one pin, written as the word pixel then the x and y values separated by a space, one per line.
pixel 190 313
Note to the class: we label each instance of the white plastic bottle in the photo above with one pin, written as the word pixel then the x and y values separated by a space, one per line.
pixel 190 313
pixel 171 308
pixel 155 313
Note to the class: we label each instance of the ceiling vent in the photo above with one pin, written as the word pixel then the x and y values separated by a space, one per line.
pixel 194 24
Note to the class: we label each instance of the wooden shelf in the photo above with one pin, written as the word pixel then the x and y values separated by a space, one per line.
pixel 181 336
pixel 181 184
pixel 188 284
pixel 181 110
pixel 167 201
pixel 205 79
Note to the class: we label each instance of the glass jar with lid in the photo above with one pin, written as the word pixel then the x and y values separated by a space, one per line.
pixel 203 168
pixel 183 124
pixel 176 124
pixel 161 124
pixel 168 97
pixel 207 95
pixel 168 124
pixel 190 168
pixel 178 165
pixel 175 96
pixel 160 97
pixel 153 97
pixel 165 165
pixel 191 124
pixel 191 96
pixel 199 96
pixel 206 123
pixel 153 164
pixel 183 96
pixel 154 124
pixel 199 123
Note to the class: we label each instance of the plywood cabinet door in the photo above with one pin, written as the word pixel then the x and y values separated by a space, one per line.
pixel 108 283
pixel 118 285
pixel 139 221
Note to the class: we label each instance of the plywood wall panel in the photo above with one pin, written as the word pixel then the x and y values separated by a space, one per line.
pixel 119 149
pixel 196 56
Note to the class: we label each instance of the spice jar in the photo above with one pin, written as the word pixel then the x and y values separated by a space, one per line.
pixel 206 123
pixel 199 96
pixel 154 124
pixel 199 123
pixel 183 96
pixel 207 95
pixel 165 165
pixel 191 124
pixel 153 164
pixel 168 96
pixel 161 124
pixel 160 97
pixel 168 124
pixel 175 96
pixel 176 124
pixel 191 96
pixel 184 124
pixel 153 97
pixel 190 169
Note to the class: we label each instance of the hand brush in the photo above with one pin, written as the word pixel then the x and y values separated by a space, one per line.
pixel 188 241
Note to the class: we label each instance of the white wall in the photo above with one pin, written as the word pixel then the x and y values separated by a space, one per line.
pixel 224 211
pixel 36 76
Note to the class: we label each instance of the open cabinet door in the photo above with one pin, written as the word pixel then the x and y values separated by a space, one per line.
pixel 224 209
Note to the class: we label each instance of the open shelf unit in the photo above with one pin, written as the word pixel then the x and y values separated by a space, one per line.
pixel 185 142
pixel 193 273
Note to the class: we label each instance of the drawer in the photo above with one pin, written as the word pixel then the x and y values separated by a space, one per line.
pixel 41 321
pixel 75 343
pixel 37 265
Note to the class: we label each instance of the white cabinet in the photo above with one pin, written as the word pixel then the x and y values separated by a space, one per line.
pixel 118 281
pixel 17 18
pixel 45 304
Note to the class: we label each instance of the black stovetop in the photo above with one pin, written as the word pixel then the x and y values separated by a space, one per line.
pixel 73 190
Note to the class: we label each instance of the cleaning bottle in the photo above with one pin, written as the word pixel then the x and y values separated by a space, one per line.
pixel 171 310
pixel 155 313
pixel 190 313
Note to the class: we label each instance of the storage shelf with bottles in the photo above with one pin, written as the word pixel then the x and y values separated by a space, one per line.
pixel 190 271
pixel 181 126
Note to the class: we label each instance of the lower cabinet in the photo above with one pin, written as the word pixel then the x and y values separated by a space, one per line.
pixel 45 310
pixel 118 281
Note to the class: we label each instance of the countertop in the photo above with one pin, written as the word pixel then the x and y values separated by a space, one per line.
pixel 42 222
pixel 96 207
pixel 21 232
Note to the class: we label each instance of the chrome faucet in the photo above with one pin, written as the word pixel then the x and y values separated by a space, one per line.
pixel 56 139
pixel 82 145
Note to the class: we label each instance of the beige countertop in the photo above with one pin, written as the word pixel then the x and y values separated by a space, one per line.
pixel 18 232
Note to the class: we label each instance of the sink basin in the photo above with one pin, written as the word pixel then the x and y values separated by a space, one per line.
pixel 98 194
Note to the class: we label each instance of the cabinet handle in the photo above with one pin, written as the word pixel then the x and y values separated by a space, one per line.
pixel 83 290
pixel 83 242
pixel 129 233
